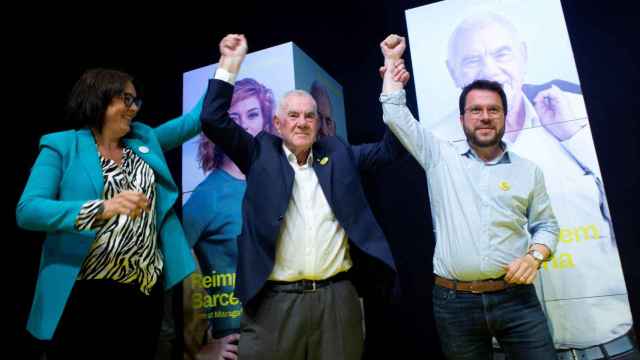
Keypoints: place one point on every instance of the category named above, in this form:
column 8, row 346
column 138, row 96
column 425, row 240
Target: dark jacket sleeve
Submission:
column 236, row 143
column 371, row 157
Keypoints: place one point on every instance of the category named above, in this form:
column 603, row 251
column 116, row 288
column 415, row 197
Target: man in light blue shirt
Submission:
column 493, row 222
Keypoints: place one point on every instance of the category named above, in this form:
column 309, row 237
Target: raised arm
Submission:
column 216, row 124
column 393, row 48
column 175, row 132
column 373, row 156
column 420, row 143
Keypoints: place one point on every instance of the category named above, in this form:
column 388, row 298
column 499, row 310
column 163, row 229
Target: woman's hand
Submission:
column 131, row 203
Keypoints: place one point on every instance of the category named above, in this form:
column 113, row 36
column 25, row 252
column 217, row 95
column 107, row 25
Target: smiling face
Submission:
column 489, row 50
column 297, row 122
column 118, row 116
column 483, row 118
column 248, row 114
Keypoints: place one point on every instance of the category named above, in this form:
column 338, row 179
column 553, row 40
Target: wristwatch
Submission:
column 536, row 255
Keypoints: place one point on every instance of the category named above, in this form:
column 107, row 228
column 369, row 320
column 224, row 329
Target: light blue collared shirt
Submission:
column 485, row 214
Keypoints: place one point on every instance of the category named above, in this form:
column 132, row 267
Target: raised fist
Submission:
column 393, row 47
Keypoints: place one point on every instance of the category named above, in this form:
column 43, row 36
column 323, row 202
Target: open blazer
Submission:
column 67, row 174
column 338, row 167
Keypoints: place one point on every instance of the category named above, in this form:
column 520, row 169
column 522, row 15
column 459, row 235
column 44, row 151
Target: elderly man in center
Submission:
column 309, row 235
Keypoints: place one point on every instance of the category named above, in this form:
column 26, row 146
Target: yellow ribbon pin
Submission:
column 504, row 186
column 324, row 161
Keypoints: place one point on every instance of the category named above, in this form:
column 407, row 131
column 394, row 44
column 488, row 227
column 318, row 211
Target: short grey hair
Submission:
column 284, row 101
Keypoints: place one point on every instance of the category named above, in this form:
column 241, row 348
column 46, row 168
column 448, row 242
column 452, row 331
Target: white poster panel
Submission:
column 525, row 46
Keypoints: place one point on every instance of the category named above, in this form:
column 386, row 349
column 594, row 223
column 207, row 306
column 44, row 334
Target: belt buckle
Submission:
column 313, row 286
column 472, row 287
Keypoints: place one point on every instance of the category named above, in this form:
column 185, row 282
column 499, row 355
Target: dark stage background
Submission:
column 47, row 53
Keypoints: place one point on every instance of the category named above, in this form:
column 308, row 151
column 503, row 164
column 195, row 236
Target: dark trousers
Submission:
column 104, row 319
column 632, row 354
column 467, row 322
column 325, row 324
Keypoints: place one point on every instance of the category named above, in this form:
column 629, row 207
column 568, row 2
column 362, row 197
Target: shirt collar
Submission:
column 465, row 150
column 292, row 158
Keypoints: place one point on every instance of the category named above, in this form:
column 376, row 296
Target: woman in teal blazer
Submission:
column 104, row 196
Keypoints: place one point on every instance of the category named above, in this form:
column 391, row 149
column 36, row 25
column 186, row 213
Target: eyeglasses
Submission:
column 477, row 111
column 129, row 100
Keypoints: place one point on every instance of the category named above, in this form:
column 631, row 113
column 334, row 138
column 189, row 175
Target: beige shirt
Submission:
column 311, row 244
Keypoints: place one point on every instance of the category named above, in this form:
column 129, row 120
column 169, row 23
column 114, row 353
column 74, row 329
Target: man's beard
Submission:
column 474, row 140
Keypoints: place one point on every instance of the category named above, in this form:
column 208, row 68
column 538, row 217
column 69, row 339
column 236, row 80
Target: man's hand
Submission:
column 130, row 203
column 233, row 49
column 393, row 47
column 396, row 76
column 556, row 114
column 522, row 270
column 399, row 72
column 220, row 349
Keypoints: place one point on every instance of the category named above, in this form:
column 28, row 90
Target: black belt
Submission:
column 304, row 285
column 617, row 346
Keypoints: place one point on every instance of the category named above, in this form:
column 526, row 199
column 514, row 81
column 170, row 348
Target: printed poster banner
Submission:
column 525, row 46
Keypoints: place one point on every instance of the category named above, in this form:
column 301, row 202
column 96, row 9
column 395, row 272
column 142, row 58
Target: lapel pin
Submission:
column 143, row 149
column 504, row 186
column 324, row 161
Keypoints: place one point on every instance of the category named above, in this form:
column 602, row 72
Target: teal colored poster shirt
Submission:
column 212, row 222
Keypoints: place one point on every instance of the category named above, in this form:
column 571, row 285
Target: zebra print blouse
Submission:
column 125, row 250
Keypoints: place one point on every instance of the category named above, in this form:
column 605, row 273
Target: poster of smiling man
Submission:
column 525, row 46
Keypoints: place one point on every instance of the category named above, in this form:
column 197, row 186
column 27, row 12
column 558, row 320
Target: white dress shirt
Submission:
column 311, row 244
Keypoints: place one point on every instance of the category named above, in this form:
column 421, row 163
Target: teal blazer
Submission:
column 67, row 174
